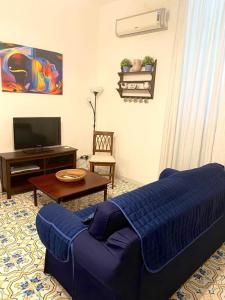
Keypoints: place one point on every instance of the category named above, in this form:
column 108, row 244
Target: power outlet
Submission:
column 84, row 157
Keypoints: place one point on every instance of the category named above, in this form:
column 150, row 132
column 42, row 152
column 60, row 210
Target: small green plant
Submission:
column 148, row 61
column 126, row 63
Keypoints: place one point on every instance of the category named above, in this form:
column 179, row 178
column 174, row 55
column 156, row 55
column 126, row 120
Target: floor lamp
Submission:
column 96, row 91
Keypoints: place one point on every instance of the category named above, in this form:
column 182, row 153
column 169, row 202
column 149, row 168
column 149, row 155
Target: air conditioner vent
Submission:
column 142, row 23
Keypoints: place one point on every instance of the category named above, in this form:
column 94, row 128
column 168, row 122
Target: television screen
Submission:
column 36, row 132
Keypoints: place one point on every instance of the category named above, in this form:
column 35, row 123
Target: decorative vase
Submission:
column 126, row 69
column 149, row 68
column 136, row 65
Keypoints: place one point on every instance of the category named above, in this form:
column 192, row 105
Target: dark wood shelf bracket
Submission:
column 140, row 90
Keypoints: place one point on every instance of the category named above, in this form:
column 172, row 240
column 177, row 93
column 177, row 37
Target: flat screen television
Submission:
column 36, row 132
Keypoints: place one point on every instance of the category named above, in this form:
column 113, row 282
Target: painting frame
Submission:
column 26, row 69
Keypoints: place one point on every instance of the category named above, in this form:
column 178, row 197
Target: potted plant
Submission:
column 125, row 65
column 148, row 63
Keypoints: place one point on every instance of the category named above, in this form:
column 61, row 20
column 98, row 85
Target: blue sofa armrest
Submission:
column 57, row 228
column 114, row 263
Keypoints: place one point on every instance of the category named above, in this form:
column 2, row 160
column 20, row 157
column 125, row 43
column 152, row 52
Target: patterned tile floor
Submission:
column 22, row 254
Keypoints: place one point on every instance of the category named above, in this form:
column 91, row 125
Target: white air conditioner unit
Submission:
column 142, row 23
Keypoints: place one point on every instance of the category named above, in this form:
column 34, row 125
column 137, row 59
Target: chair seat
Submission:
column 102, row 159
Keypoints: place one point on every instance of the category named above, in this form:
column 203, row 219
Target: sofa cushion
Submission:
column 107, row 219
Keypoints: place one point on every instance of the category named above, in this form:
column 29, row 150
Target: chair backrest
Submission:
column 103, row 141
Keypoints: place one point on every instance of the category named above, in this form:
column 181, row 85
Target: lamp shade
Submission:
column 97, row 89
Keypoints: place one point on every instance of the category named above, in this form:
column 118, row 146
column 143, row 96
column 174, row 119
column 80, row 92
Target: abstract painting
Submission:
column 30, row 70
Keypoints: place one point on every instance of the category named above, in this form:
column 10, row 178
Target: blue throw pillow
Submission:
column 107, row 219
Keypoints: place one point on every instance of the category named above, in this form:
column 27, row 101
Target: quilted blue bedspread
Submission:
column 170, row 214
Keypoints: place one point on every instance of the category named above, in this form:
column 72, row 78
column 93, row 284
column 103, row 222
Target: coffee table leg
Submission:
column 35, row 196
column 105, row 193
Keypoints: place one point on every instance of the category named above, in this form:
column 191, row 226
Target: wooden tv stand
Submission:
column 58, row 158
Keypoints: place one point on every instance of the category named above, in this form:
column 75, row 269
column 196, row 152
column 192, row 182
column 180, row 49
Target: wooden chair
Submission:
column 103, row 143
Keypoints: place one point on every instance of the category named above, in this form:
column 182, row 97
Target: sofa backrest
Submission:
column 108, row 217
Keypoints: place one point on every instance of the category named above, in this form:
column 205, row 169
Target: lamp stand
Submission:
column 94, row 108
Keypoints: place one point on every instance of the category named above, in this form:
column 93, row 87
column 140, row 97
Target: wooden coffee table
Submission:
column 64, row 191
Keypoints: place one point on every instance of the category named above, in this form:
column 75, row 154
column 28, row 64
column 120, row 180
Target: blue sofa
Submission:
column 141, row 245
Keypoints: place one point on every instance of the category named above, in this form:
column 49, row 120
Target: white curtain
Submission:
column 197, row 98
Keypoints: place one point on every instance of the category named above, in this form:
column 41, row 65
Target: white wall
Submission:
column 138, row 127
column 92, row 52
column 68, row 27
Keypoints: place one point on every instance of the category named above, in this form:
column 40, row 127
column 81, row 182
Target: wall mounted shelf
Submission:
column 132, row 85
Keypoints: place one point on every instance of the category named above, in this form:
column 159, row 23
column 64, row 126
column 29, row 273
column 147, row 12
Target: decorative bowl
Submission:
column 70, row 175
